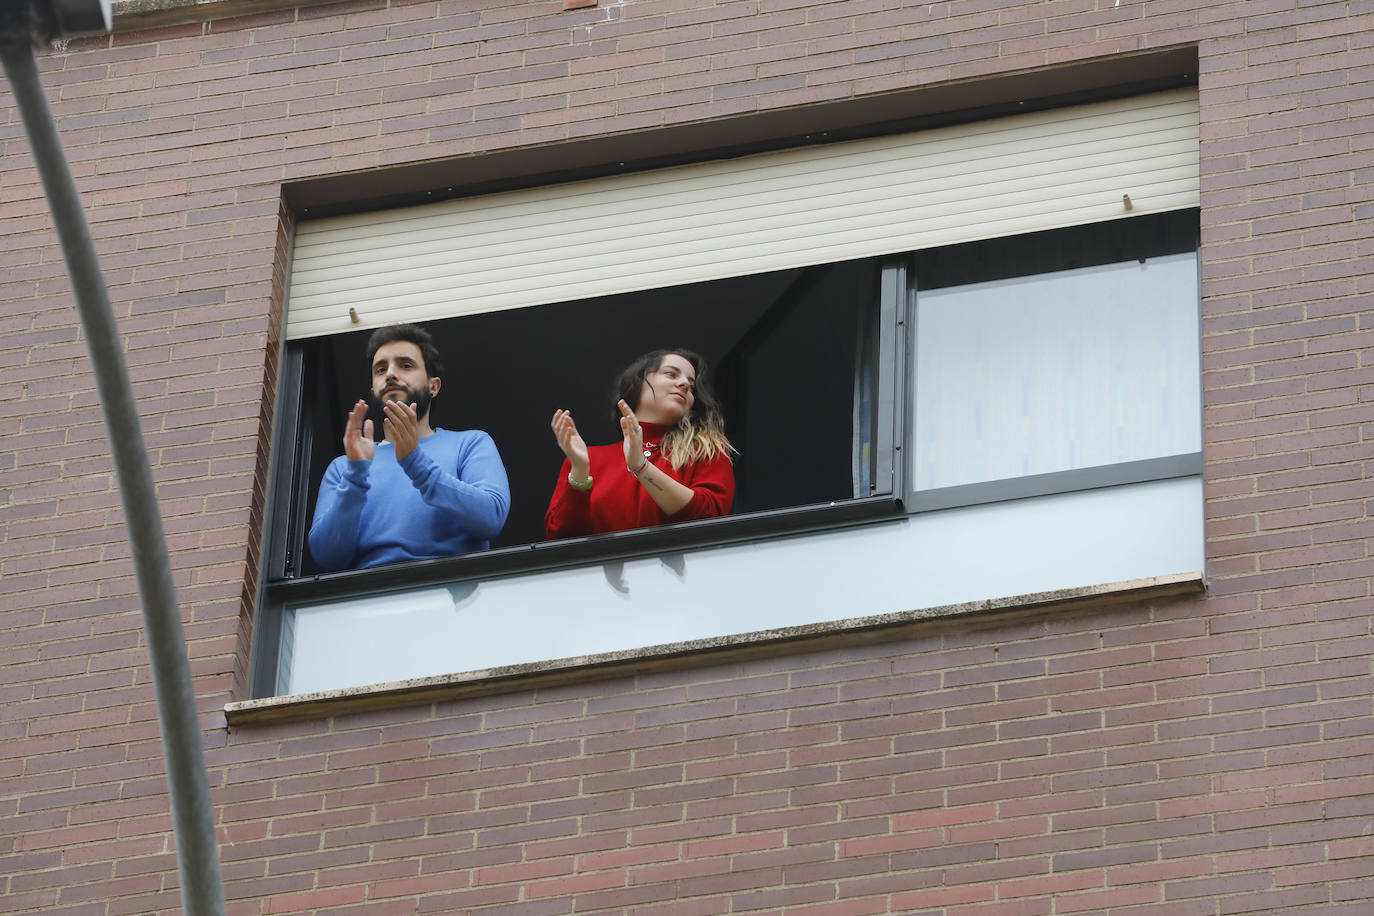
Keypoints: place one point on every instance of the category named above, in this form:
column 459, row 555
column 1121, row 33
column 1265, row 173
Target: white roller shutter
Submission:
column 732, row 217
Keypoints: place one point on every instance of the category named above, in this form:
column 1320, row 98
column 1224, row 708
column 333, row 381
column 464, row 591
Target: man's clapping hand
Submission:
column 358, row 442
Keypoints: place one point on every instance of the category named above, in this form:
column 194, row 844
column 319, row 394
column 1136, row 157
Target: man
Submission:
column 422, row 493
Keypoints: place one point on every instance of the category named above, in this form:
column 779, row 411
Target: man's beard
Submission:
column 420, row 397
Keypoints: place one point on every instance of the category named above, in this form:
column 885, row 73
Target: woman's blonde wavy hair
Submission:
column 700, row 434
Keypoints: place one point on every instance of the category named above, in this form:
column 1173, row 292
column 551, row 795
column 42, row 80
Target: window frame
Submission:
column 893, row 494
column 1189, row 464
column 287, row 493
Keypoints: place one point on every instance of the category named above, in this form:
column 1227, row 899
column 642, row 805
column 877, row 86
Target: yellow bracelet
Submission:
column 584, row 487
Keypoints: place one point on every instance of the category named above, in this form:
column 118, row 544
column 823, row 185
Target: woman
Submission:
column 673, row 464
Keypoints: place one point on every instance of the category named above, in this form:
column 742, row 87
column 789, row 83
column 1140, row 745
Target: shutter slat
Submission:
column 726, row 218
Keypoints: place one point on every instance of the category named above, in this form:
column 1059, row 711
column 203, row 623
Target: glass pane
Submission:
column 936, row 558
column 1057, row 371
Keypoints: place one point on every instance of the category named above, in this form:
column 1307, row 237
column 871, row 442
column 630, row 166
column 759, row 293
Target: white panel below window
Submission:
column 928, row 560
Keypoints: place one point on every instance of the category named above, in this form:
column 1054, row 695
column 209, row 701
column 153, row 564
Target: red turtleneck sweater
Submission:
column 619, row 502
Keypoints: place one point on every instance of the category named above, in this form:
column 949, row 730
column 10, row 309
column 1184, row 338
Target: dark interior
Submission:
column 1094, row 244
column 781, row 351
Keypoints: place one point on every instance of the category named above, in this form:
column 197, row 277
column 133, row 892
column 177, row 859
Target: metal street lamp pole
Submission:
column 202, row 889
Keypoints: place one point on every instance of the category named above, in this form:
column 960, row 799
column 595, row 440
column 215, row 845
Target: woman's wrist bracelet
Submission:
column 635, row 471
column 585, row 486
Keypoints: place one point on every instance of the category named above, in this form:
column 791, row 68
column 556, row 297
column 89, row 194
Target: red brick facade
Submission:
column 1178, row 756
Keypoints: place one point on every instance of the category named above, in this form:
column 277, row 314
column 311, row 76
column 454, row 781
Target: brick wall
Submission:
column 1202, row 756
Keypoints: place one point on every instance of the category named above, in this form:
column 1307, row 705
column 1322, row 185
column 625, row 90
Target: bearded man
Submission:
column 421, row 493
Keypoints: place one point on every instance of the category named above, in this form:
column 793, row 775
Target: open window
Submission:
column 1007, row 403
column 775, row 344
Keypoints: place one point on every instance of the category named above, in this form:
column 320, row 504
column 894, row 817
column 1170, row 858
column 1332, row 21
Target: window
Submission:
column 944, row 423
column 1039, row 358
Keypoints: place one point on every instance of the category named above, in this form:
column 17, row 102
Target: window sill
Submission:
column 739, row 647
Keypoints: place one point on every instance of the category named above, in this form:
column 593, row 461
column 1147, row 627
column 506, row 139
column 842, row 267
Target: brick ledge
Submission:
column 717, row 650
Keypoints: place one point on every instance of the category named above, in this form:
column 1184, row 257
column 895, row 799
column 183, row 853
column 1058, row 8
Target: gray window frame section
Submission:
column 1092, row 478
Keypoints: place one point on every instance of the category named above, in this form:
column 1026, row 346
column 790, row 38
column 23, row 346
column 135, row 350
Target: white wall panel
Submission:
column 1114, row 534
column 724, row 218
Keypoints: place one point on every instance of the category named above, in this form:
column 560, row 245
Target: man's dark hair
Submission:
column 411, row 333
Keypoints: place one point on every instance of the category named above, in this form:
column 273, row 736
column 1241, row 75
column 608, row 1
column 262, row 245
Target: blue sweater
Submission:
column 448, row 496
